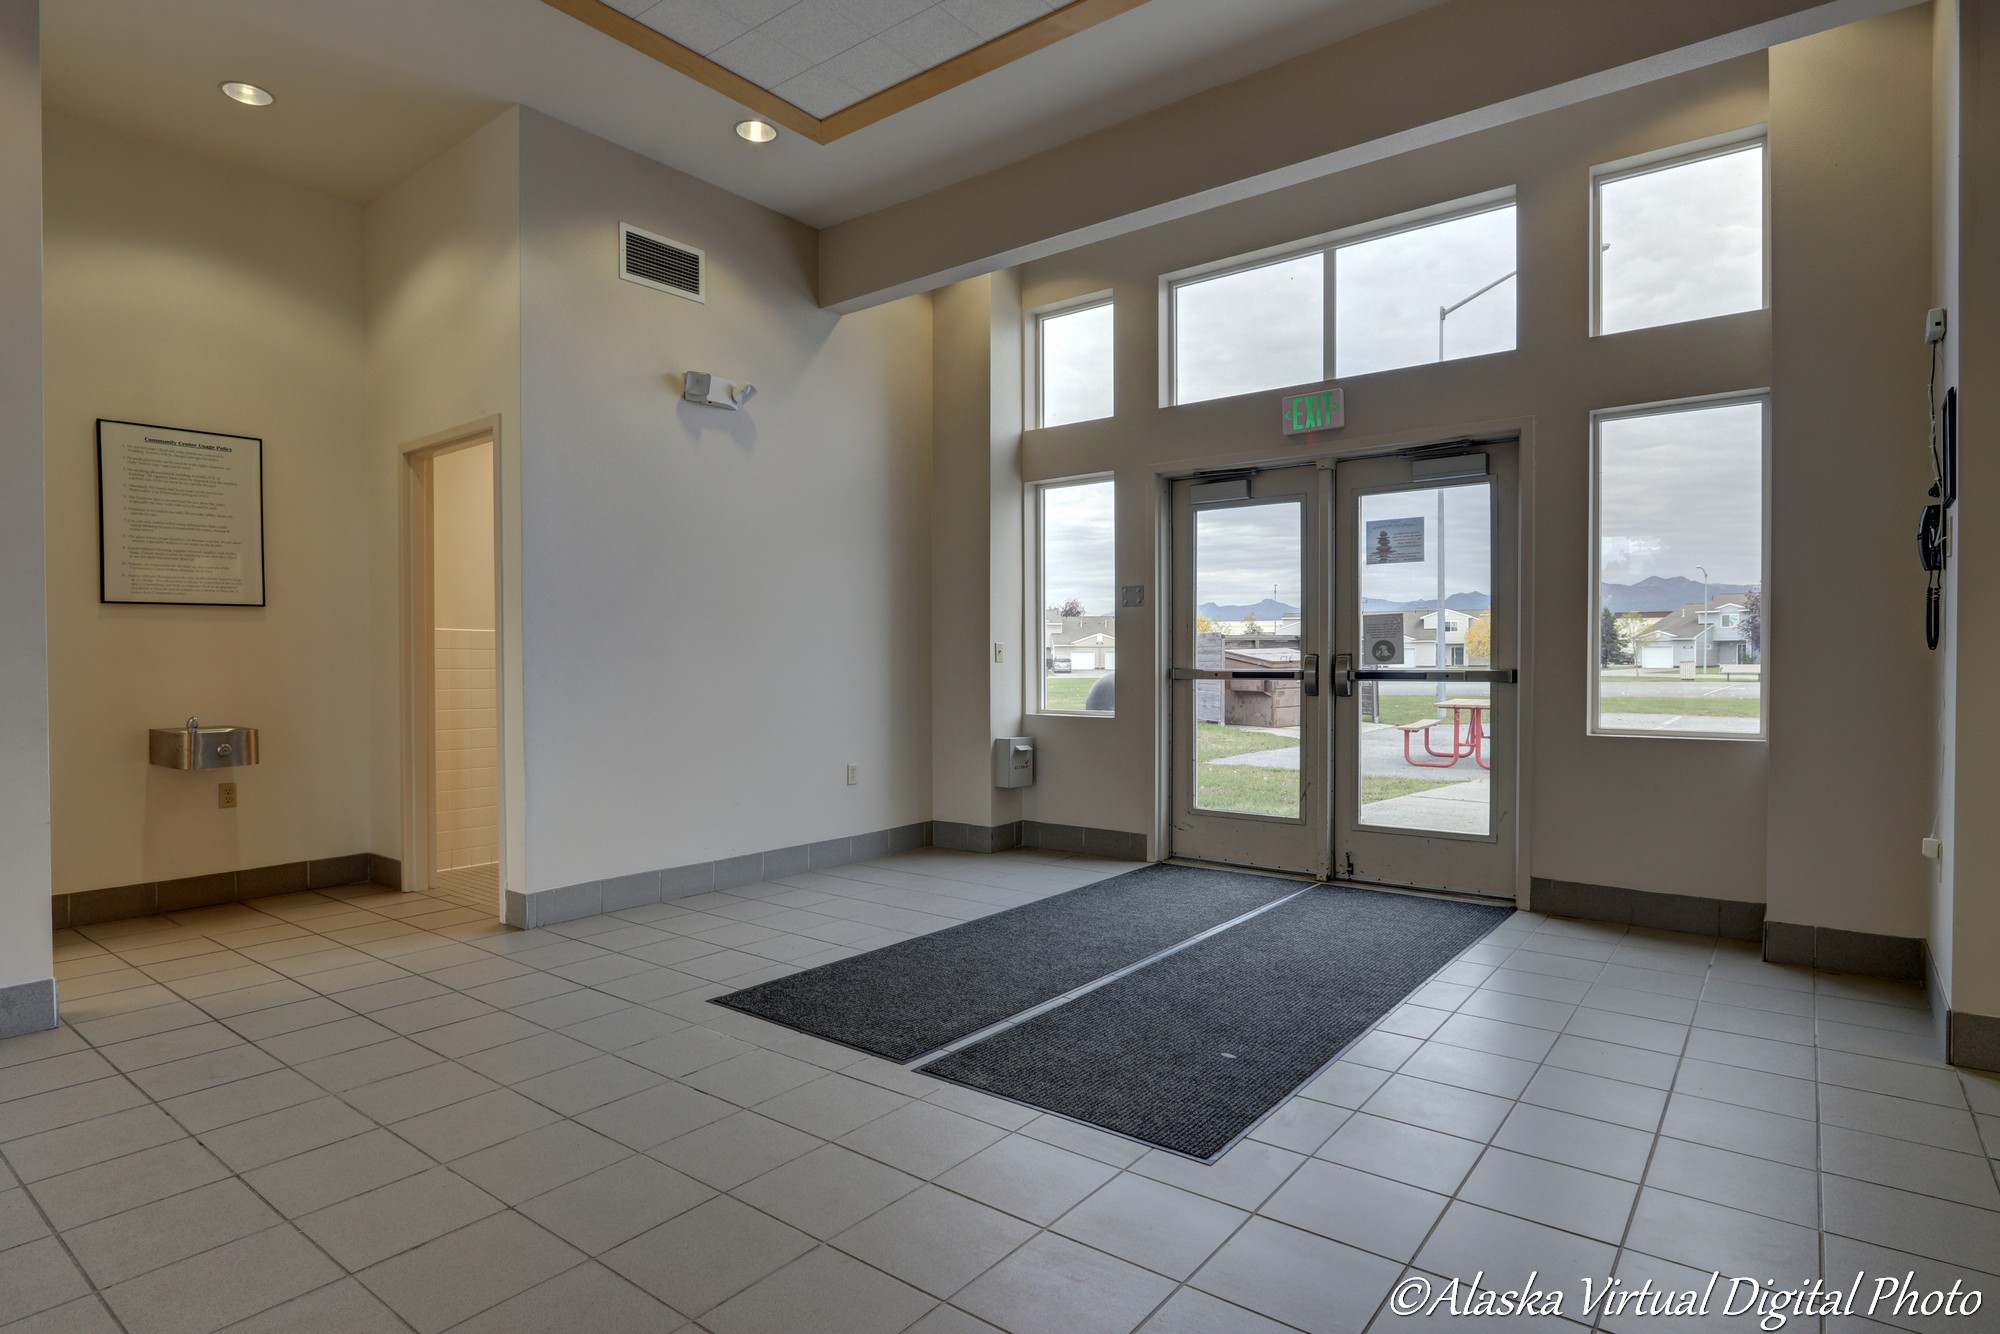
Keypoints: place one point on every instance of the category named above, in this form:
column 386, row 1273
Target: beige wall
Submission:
column 976, row 568
column 462, row 538
column 710, row 597
column 1974, row 785
column 24, row 700
column 1587, row 817
column 1399, row 86
column 1851, row 245
column 1946, row 53
column 195, row 295
column 444, row 352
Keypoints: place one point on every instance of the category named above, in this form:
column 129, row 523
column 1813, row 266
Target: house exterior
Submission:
column 1089, row 642
column 1708, row 635
column 1420, row 629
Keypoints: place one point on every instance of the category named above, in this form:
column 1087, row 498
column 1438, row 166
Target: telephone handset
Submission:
column 1930, row 538
column 1930, row 551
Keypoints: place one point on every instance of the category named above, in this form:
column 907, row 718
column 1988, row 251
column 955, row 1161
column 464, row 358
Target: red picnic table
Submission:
column 1468, row 730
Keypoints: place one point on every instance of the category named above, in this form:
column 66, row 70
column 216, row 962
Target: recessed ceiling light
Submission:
column 249, row 94
column 756, row 131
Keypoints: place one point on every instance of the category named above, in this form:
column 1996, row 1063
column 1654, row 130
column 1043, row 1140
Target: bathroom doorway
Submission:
column 453, row 808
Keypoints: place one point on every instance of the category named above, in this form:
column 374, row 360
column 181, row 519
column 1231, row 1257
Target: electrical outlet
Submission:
column 853, row 775
column 225, row 796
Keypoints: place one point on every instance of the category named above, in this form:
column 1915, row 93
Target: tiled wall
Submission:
column 468, row 772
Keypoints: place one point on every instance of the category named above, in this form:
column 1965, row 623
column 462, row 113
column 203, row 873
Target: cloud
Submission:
column 1078, row 548
column 1677, row 490
column 1683, row 243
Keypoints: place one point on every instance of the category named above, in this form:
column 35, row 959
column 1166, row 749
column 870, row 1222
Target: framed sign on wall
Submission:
column 180, row 516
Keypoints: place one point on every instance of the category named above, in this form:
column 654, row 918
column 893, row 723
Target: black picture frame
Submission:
column 104, row 555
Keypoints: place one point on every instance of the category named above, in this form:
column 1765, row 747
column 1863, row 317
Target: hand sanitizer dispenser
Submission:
column 1014, row 761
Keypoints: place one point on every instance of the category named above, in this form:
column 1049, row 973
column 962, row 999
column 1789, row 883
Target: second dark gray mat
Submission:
column 1187, row 1053
column 919, row 995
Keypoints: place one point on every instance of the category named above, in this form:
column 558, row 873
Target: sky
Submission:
column 1468, row 529
column 1678, row 490
column 1246, row 553
column 1682, row 243
column 1682, row 489
column 1077, row 557
column 1679, row 243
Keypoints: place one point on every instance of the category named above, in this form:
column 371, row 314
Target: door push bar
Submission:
column 1344, row 674
column 1306, row 674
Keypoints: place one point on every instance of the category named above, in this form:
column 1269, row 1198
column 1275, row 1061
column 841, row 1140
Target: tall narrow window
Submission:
column 1678, row 644
column 1432, row 293
column 1079, row 621
column 1681, row 240
column 1258, row 328
column 1075, row 364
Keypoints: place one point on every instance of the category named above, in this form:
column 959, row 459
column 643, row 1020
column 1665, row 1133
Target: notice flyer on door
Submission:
column 180, row 516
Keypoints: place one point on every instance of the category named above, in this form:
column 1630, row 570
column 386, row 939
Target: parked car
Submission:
column 1056, row 664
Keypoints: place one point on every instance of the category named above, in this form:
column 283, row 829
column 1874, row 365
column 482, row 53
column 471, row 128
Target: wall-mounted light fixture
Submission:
column 702, row 387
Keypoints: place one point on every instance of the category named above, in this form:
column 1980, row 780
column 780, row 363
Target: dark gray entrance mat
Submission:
column 1187, row 1053
column 918, row 995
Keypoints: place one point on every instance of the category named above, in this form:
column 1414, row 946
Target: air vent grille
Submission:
column 656, row 262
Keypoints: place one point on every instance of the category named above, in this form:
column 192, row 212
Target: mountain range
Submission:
column 1270, row 609
column 1662, row 594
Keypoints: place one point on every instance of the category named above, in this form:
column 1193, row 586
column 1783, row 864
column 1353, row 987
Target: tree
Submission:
column 1202, row 624
column 1073, row 607
column 1611, row 644
column 1753, row 622
column 1479, row 640
column 1250, row 626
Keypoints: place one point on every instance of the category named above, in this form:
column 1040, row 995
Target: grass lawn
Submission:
column 1066, row 693
column 1384, row 787
column 1692, row 708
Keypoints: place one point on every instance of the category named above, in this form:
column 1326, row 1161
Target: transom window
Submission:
column 1075, row 364
column 1681, row 239
column 1433, row 291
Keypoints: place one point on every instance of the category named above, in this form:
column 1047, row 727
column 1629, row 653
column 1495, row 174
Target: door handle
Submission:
column 1309, row 673
column 1343, row 674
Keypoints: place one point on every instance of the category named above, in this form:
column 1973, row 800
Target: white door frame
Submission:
column 418, row 659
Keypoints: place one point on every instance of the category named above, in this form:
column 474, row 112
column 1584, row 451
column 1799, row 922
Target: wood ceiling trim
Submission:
column 1025, row 40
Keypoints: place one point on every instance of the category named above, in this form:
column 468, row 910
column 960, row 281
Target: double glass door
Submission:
column 1343, row 669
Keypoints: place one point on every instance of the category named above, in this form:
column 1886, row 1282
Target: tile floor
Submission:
column 358, row 1110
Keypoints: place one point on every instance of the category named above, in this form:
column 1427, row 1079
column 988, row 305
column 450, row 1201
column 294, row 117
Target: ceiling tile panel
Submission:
column 995, row 18
column 817, row 93
column 870, row 67
column 931, row 38
column 695, row 24
column 765, row 61
column 878, row 16
column 753, row 12
column 814, row 30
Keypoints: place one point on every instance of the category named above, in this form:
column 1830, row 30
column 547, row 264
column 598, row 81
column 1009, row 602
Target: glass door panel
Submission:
column 1424, row 674
column 1249, row 754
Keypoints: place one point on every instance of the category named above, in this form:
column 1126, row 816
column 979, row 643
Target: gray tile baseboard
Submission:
column 1836, row 951
column 1731, row 918
column 975, row 837
column 1080, row 838
column 549, row 906
column 1973, row 1040
column 27, row 1007
column 88, row 907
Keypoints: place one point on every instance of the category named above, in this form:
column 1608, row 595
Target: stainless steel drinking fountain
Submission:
column 198, row 747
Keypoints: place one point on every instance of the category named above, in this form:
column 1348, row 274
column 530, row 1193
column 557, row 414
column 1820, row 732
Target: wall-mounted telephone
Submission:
column 1930, row 551
column 1930, row 538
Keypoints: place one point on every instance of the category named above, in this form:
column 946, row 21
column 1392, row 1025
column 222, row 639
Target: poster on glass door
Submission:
column 1395, row 541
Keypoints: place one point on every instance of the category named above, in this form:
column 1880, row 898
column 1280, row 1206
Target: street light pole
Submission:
column 1701, row 636
column 1444, row 311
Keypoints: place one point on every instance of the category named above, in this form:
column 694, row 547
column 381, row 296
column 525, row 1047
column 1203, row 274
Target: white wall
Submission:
column 710, row 598
column 190, row 294
column 462, row 538
column 444, row 352
column 24, row 701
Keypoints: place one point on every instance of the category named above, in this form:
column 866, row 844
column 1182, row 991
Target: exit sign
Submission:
column 1320, row 410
